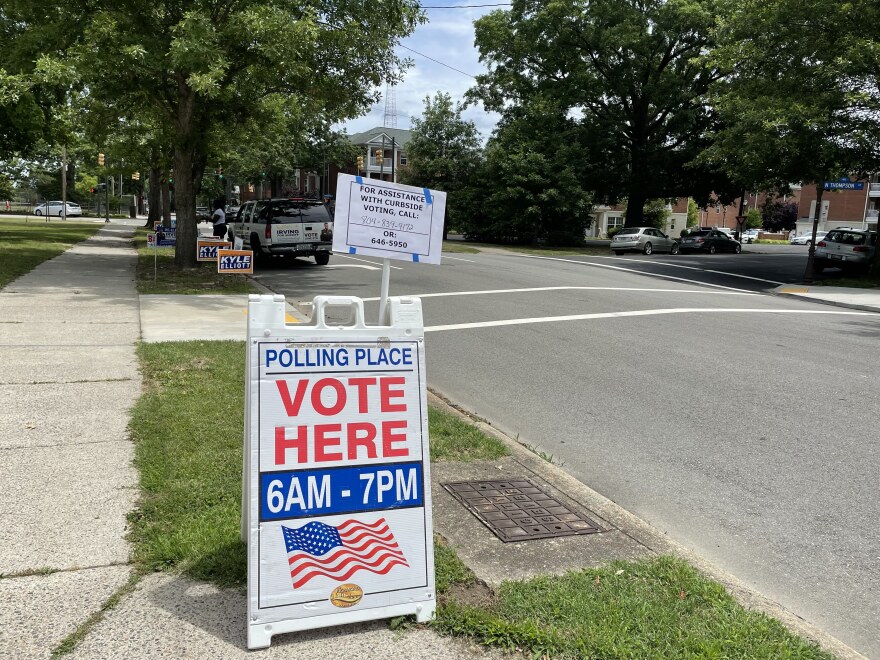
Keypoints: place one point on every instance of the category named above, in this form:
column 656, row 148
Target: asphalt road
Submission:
column 742, row 424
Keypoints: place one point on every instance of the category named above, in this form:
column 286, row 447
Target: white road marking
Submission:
column 372, row 263
column 334, row 266
column 639, row 272
column 470, row 261
column 702, row 270
column 645, row 312
column 571, row 288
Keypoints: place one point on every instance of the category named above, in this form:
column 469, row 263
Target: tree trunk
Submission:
column 154, row 195
column 185, row 205
column 635, row 209
column 166, row 202
column 189, row 164
column 810, row 273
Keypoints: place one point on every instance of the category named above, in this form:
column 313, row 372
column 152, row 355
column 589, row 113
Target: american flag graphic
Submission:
column 317, row 549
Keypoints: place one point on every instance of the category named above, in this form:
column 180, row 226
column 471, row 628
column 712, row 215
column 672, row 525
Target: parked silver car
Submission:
column 643, row 239
column 847, row 249
column 807, row 238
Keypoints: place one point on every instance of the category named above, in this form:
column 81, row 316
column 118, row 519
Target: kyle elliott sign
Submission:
column 206, row 248
column 384, row 219
column 235, row 261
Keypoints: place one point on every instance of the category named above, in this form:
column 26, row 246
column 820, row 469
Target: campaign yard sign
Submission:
column 384, row 219
column 163, row 237
column 338, row 488
column 235, row 261
column 206, row 248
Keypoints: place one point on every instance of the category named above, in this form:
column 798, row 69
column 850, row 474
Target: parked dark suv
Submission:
column 285, row 227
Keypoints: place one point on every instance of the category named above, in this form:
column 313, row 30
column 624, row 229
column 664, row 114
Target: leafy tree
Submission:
column 203, row 67
column 693, row 217
column 530, row 189
column 627, row 72
column 443, row 153
column 753, row 219
column 656, row 213
column 6, row 189
column 796, row 109
column 778, row 215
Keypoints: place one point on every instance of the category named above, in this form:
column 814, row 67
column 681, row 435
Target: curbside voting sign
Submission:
column 338, row 515
column 384, row 219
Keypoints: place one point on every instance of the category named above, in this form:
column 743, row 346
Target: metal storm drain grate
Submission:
column 518, row 510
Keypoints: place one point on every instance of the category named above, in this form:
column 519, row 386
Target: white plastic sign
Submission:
column 383, row 219
column 338, row 520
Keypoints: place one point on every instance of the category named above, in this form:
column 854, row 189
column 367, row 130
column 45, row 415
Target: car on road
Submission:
column 57, row 208
column 750, row 235
column 203, row 214
column 643, row 239
column 807, row 238
column 291, row 227
column 847, row 249
column 709, row 240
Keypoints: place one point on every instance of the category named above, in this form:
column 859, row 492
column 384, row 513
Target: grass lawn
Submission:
column 865, row 282
column 188, row 453
column 169, row 278
column 459, row 246
column 25, row 245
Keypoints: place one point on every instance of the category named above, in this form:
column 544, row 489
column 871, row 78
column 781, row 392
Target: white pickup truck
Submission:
column 284, row 227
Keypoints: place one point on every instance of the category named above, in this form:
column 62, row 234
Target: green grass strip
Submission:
column 24, row 245
column 188, row 428
column 654, row 608
column 158, row 274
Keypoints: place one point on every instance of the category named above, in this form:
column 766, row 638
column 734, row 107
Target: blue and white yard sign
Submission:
column 384, row 219
column 338, row 520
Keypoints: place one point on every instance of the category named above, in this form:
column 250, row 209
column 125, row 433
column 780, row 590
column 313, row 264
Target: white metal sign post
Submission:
column 338, row 501
column 389, row 220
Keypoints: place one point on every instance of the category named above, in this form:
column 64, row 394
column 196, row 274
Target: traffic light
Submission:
column 360, row 162
column 101, row 160
column 380, row 157
column 220, row 173
column 135, row 176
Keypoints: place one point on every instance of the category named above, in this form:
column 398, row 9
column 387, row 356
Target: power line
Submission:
column 499, row 4
column 437, row 61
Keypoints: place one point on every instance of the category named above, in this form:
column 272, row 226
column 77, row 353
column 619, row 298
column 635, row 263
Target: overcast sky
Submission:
column 448, row 37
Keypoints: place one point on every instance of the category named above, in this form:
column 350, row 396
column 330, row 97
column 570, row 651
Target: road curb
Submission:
column 647, row 535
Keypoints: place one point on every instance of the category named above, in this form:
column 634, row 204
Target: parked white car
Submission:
column 807, row 239
column 750, row 235
column 57, row 208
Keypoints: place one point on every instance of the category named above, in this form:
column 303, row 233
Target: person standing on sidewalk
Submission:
column 219, row 219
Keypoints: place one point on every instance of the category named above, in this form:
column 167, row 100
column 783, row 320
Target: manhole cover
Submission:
column 518, row 510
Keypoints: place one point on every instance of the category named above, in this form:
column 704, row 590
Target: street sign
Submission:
column 337, row 499
column 384, row 219
column 235, row 261
column 206, row 248
column 843, row 183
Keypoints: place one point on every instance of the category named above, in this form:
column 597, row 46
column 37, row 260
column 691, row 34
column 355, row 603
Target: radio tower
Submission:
column 390, row 106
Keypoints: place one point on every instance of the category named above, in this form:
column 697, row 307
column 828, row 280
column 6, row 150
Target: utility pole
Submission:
column 63, row 182
column 393, row 159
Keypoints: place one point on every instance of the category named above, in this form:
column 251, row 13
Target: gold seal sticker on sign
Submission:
column 346, row 595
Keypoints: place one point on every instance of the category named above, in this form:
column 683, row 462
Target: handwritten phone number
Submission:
column 384, row 242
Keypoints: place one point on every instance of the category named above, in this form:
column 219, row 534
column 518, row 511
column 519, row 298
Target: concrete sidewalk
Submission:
column 68, row 377
column 864, row 299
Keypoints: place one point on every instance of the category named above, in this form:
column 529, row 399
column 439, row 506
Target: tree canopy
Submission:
column 627, row 73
